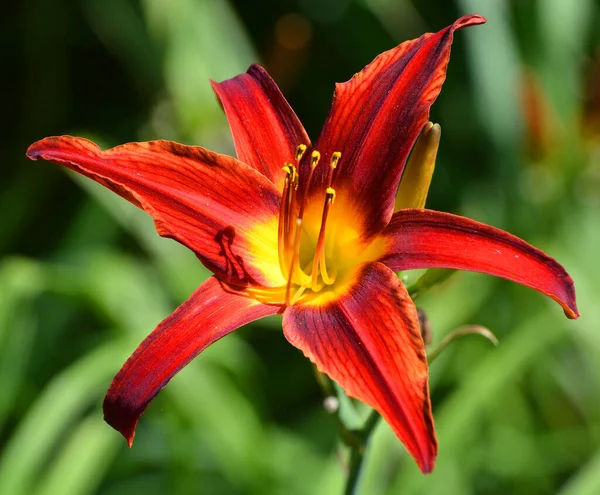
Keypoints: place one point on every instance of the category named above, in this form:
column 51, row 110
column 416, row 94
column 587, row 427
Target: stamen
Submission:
column 269, row 295
column 300, row 152
column 297, row 295
column 335, row 158
column 295, row 254
column 324, row 274
column 290, row 229
column 291, row 199
column 283, row 220
column 293, row 189
column 319, row 258
column 314, row 161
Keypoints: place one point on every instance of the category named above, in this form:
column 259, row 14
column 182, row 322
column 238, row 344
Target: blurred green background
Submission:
column 84, row 277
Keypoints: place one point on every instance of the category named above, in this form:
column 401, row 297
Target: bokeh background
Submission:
column 84, row 277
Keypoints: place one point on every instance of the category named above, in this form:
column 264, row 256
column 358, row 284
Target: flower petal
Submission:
column 432, row 239
column 212, row 312
column 265, row 129
column 369, row 342
column 377, row 115
column 211, row 203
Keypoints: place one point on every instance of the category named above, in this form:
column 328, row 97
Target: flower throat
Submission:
column 302, row 273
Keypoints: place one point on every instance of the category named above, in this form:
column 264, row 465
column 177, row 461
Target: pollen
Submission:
column 300, row 150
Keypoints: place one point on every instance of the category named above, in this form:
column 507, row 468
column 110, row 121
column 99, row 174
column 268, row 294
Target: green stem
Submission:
column 461, row 332
column 357, row 455
column 355, row 468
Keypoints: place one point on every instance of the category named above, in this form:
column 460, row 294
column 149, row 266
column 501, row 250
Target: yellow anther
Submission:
column 330, row 194
column 335, row 158
column 314, row 158
column 300, row 152
column 292, row 174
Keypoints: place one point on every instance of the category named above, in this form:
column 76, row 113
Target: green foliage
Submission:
column 84, row 277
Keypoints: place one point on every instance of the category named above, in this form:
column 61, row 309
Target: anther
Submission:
column 335, row 158
column 314, row 159
column 292, row 173
column 330, row 192
column 300, row 152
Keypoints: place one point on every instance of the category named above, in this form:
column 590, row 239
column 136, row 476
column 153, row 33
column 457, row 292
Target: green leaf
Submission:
column 53, row 415
column 83, row 460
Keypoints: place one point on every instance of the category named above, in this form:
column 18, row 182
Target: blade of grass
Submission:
column 51, row 416
column 21, row 281
column 83, row 460
column 457, row 416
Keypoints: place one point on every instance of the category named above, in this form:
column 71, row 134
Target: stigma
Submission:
column 302, row 256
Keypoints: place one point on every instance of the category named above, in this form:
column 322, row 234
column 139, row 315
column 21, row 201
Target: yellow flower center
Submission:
column 319, row 239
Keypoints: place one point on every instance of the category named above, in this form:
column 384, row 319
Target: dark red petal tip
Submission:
column 117, row 415
column 33, row 152
column 469, row 20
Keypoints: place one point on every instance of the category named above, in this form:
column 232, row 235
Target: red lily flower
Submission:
column 318, row 242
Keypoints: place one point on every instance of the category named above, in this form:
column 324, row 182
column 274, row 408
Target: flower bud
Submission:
column 418, row 172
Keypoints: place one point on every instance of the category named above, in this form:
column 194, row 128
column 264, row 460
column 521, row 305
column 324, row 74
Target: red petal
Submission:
column 431, row 239
column 210, row 313
column 377, row 115
column 265, row 129
column 211, row 203
column 369, row 342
